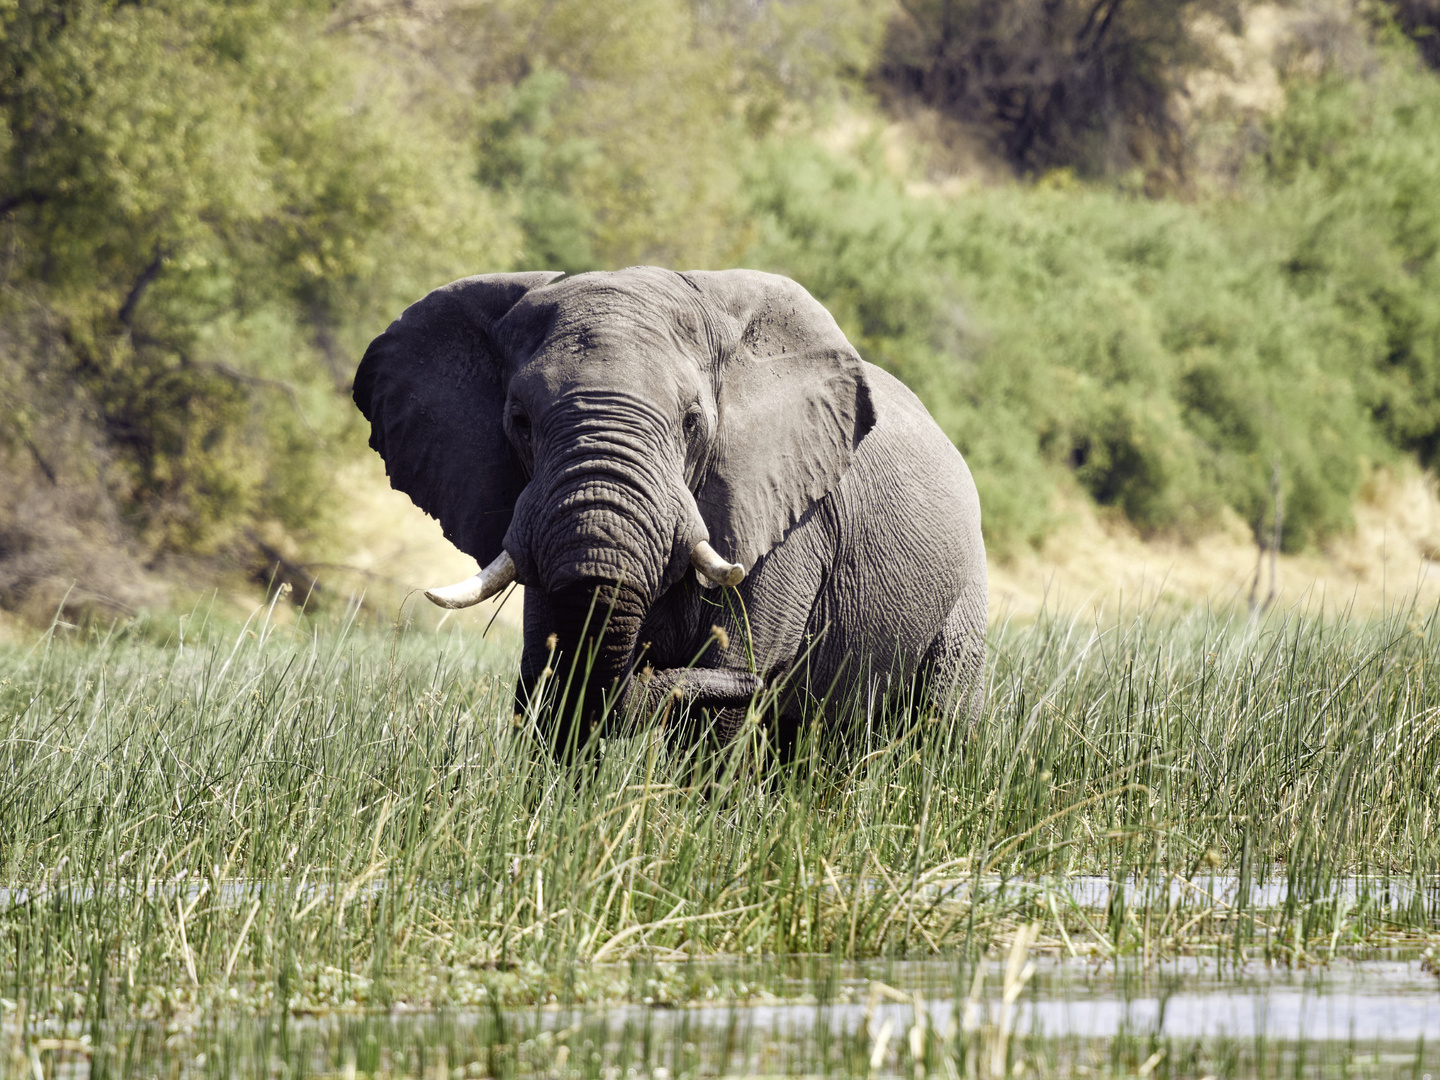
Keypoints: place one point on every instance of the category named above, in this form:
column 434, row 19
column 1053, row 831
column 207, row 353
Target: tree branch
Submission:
column 40, row 461
column 1086, row 51
column 244, row 378
column 148, row 275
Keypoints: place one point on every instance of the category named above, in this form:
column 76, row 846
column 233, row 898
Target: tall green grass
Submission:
column 813, row 1039
column 328, row 815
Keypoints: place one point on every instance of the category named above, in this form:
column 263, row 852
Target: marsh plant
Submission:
column 289, row 819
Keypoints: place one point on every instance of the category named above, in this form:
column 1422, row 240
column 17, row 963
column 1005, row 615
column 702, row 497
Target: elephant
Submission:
column 597, row 437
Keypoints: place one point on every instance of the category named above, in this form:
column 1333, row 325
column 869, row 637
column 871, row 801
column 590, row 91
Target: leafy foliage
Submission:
column 1420, row 19
column 602, row 132
column 1354, row 167
column 615, row 132
column 197, row 211
column 1167, row 356
column 209, row 208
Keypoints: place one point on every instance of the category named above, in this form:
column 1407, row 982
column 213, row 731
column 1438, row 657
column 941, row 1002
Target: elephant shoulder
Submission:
column 901, row 419
column 908, row 475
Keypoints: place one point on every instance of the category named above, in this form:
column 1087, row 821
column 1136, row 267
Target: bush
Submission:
column 1350, row 179
column 1420, row 19
column 604, row 132
column 1150, row 352
column 200, row 203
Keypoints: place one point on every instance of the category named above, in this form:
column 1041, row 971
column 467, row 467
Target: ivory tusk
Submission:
column 482, row 586
column 712, row 568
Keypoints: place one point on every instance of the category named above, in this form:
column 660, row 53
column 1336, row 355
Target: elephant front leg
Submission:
column 678, row 698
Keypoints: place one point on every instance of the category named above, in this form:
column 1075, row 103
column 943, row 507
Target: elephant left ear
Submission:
column 431, row 386
column 793, row 406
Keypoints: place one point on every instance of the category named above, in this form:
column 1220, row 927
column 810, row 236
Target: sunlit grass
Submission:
column 331, row 816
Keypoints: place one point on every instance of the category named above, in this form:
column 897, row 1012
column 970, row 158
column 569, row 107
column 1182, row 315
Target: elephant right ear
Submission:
column 794, row 403
column 431, row 387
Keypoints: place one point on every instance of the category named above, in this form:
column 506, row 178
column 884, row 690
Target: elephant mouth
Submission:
column 710, row 568
column 597, row 625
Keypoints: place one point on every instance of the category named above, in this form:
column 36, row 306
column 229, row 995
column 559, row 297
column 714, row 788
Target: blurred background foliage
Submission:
column 1018, row 206
column 1081, row 84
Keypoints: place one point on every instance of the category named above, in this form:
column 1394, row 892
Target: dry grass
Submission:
column 385, row 546
column 1099, row 563
column 1095, row 563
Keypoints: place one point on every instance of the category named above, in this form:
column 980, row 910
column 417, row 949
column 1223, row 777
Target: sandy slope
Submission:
column 1098, row 563
column 1095, row 563
column 387, row 548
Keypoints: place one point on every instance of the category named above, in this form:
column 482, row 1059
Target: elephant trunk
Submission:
column 603, row 528
column 597, row 625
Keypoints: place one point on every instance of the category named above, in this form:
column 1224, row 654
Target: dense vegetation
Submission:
column 1083, row 84
column 208, row 209
column 1168, row 355
column 311, row 818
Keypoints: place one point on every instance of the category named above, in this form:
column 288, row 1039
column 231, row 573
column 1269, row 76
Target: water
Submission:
column 1387, row 1000
column 1378, row 1016
column 1375, row 1015
column 1087, row 891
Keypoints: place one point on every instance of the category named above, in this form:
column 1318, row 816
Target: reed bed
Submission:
column 329, row 817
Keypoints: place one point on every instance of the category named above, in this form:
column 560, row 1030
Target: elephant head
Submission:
column 608, row 431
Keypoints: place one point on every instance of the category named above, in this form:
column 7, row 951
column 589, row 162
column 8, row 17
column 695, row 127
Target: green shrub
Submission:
column 1351, row 176
column 204, row 207
column 1147, row 350
column 209, row 209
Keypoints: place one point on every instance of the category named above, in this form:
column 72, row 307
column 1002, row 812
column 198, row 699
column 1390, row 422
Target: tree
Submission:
column 1087, row 84
column 1420, row 19
column 195, row 199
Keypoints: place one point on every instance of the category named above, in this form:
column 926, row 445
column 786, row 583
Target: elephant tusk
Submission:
column 712, row 568
column 482, row 586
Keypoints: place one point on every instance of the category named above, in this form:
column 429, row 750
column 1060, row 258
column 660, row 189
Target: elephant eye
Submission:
column 692, row 422
column 521, row 423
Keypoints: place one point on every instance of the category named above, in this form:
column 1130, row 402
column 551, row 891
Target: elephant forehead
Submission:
column 615, row 314
column 617, row 336
column 644, row 367
column 644, row 355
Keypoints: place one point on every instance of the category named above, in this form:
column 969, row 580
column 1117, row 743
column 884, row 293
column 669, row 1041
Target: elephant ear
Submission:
column 793, row 406
column 431, row 387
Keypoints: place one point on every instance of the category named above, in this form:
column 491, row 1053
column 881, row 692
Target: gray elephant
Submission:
column 600, row 436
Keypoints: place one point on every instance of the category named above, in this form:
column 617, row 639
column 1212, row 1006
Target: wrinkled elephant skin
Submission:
column 595, row 429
